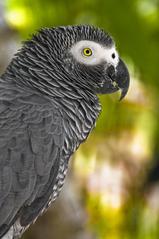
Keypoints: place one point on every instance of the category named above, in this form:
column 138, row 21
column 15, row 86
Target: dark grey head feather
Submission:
column 44, row 61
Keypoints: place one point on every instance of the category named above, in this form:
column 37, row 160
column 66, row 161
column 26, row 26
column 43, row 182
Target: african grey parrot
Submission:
column 48, row 106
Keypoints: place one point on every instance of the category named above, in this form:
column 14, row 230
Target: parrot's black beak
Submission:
column 116, row 79
column 122, row 78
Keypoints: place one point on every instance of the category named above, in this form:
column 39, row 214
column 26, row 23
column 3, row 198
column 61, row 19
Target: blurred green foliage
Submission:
column 127, row 133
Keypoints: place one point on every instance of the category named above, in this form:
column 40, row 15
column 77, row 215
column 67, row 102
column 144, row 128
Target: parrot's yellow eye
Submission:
column 87, row 52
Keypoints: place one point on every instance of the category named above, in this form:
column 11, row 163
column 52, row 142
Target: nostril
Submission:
column 113, row 55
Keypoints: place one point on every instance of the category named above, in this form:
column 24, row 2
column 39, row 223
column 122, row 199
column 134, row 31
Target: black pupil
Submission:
column 113, row 55
column 87, row 51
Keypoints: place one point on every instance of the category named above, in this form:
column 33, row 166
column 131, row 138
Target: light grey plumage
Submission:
column 48, row 106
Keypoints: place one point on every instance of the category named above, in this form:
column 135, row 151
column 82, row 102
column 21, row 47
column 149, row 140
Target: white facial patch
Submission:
column 99, row 53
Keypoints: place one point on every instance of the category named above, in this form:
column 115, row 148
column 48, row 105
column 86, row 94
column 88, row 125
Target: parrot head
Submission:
column 92, row 57
column 77, row 58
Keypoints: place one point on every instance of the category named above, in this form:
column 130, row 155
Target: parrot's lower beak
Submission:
column 117, row 79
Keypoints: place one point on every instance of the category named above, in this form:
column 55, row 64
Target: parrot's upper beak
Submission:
column 117, row 79
column 122, row 78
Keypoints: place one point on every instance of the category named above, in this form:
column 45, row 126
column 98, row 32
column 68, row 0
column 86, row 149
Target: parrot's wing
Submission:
column 31, row 141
